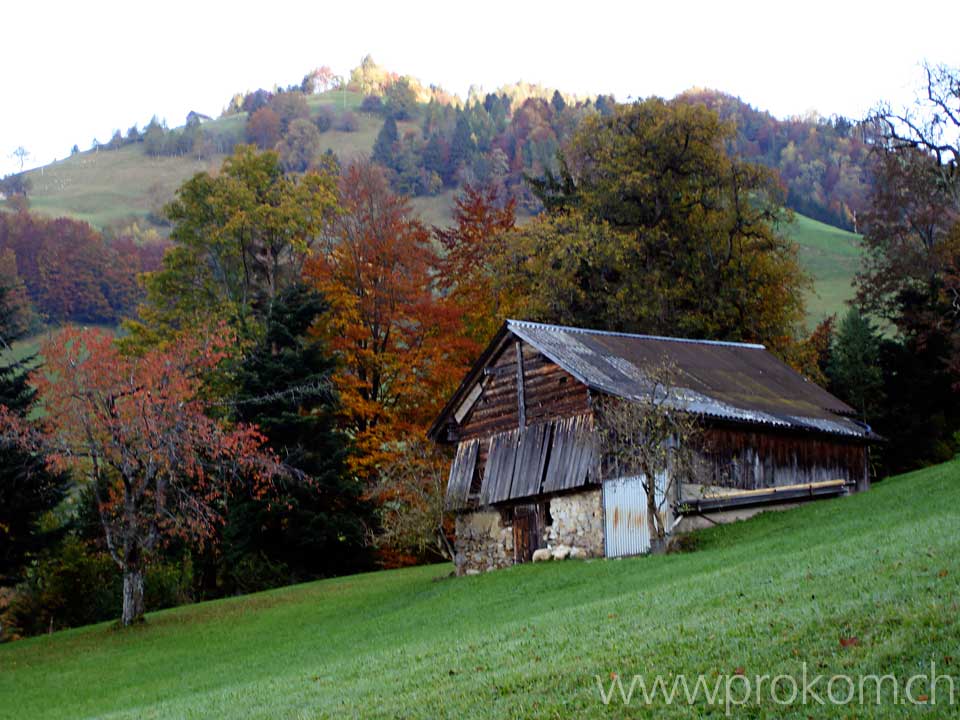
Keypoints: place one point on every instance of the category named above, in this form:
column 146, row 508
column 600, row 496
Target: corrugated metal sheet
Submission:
column 461, row 473
column 626, row 530
column 732, row 381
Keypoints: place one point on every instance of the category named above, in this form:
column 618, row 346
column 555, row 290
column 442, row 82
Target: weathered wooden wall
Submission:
column 548, row 392
column 751, row 460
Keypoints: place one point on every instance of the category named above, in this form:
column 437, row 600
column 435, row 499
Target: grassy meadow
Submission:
column 832, row 257
column 858, row 585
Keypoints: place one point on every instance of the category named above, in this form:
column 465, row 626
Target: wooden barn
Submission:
column 527, row 473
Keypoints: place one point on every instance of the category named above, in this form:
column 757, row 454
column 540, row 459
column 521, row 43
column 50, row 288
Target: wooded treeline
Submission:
column 261, row 419
column 431, row 141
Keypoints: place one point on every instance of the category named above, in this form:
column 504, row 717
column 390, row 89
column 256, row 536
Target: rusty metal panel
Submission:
column 461, row 473
column 626, row 530
column 625, row 518
column 573, row 454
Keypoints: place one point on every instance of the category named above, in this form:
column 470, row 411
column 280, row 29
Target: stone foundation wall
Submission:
column 484, row 539
column 577, row 523
column 483, row 542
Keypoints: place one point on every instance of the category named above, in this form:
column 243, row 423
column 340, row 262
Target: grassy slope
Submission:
column 765, row 595
column 109, row 186
column 832, row 257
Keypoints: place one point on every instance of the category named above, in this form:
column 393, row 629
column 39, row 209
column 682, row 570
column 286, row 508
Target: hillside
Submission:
column 110, row 186
column 832, row 257
column 864, row 584
column 115, row 186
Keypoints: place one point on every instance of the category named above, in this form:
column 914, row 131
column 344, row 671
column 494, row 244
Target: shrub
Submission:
column 74, row 586
column 348, row 122
column 78, row 585
column 372, row 104
column 324, row 119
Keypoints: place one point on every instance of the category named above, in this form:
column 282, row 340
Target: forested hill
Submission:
column 432, row 144
column 431, row 141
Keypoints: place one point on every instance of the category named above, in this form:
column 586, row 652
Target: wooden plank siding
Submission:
column 549, row 392
column 753, row 460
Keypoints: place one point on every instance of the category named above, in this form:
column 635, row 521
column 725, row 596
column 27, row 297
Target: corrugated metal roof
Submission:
column 739, row 382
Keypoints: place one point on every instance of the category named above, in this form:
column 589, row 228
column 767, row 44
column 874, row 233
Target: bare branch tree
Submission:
column 653, row 437
column 931, row 126
column 21, row 154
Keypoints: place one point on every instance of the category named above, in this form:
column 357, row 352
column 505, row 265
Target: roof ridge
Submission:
column 567, row 328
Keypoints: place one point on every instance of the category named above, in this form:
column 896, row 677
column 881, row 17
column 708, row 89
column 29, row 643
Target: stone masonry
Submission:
column 578, row 522
column 484, row 540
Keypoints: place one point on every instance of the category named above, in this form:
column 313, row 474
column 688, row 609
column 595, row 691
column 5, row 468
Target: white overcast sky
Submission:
column 73, row 70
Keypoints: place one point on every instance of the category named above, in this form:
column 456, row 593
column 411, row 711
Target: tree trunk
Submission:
column 133, row 606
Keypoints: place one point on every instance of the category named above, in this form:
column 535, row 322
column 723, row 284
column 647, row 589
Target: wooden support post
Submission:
column 521, row 407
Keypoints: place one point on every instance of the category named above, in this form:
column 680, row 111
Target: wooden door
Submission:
column 527, row 532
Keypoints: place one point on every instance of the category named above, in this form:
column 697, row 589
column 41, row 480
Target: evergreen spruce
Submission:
column 314, row 526
column 27, row 489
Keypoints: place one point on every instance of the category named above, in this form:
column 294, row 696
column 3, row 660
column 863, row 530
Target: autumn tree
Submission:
column 412, row 523
column 400, row 100
column 319, row 80
column 912, row 227
column 652, row 227
column 910, row 276
column 290, row 107
column 69, row 271
column 263, row 128
column 472, row 248
column 299, row 146
column 136, row 431
column 239, row 238
column 386, row 325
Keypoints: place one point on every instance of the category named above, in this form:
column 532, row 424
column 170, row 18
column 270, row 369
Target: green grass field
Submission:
column 832, row 257
column 764, row 596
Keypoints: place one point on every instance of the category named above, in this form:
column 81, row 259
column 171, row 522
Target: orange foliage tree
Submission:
column 468, row 268
column 136, row 430
column 398, row 343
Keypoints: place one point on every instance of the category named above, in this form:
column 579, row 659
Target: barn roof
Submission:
column 736, row 382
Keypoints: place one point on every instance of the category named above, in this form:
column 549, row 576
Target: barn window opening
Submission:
column 547, row 517
column 476, row 482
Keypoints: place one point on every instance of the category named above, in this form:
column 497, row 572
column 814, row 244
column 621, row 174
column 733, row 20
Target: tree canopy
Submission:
column 652, row 227
column 239, row 238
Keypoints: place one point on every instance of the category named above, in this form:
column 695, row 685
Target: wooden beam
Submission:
column 521, row 407
column 776, row 489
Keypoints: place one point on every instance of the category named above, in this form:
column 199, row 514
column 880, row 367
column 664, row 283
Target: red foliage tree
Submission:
column 136, row 430
column 70, row 272
column 468, row 267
